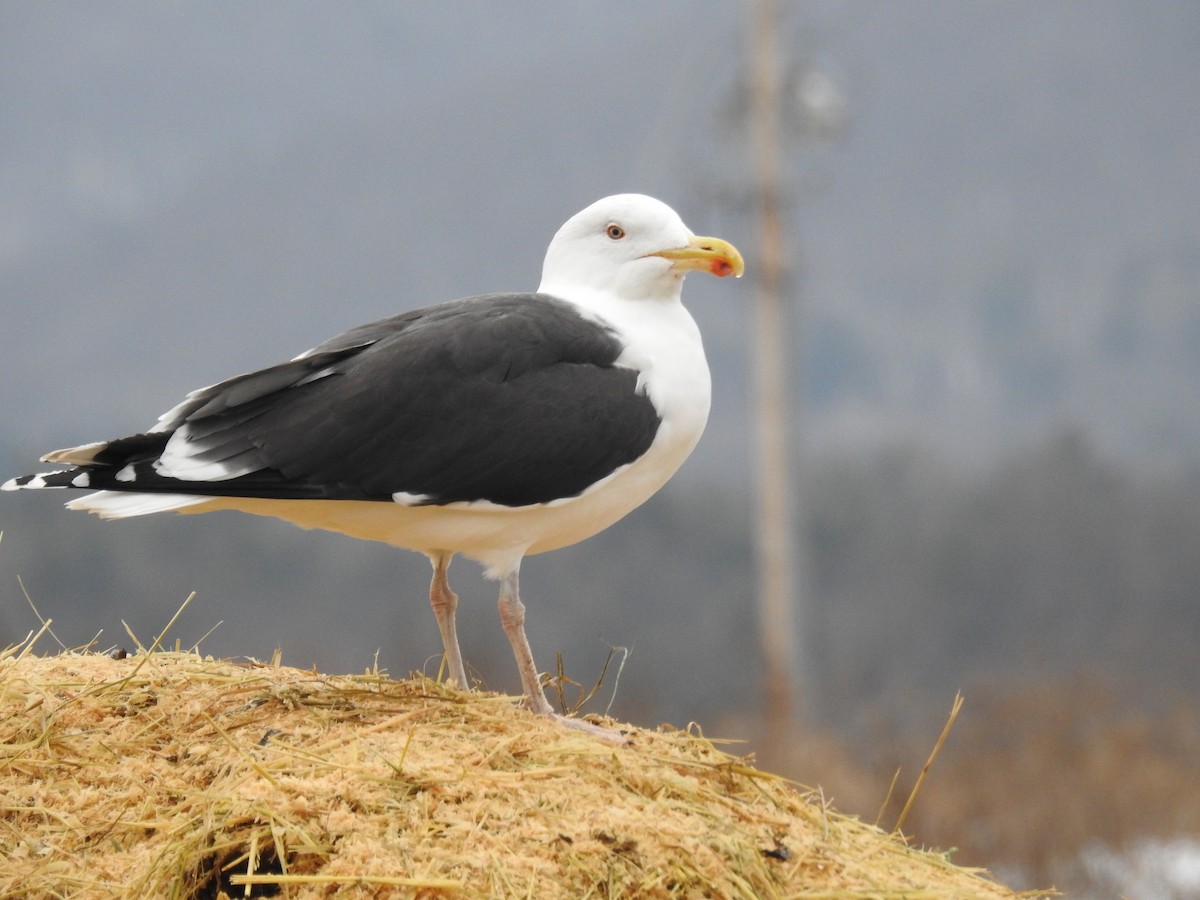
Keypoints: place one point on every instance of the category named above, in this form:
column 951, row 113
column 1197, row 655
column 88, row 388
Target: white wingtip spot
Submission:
column 34, row 483
column 126, row 474
column 82, row 480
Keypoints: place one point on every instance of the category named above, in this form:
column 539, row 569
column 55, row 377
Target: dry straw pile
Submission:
column 173, row 775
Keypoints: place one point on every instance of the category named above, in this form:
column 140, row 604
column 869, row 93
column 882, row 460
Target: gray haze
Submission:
column 1003, row 248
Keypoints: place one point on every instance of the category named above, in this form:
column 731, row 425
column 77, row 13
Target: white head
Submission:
column 632, row 246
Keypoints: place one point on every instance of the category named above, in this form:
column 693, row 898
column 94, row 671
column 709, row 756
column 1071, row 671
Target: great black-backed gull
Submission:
column 495, row 426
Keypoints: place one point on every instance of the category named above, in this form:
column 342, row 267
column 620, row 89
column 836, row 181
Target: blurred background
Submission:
column 989, row 222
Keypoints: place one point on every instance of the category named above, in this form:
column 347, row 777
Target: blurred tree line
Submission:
column 1050, row 562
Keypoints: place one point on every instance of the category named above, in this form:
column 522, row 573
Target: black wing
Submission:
column 510, row 398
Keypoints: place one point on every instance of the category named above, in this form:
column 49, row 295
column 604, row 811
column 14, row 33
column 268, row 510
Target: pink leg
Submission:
column 444, row 602
column 512, row 618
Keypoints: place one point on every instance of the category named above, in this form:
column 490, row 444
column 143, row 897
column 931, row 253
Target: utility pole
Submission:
column 776, row 540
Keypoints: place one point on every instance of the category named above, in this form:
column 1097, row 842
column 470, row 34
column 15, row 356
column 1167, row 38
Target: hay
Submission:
column 173, row 775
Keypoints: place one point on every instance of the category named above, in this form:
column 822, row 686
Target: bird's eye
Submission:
column 615, row 231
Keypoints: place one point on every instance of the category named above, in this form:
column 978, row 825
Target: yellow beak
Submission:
column 706, row 254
